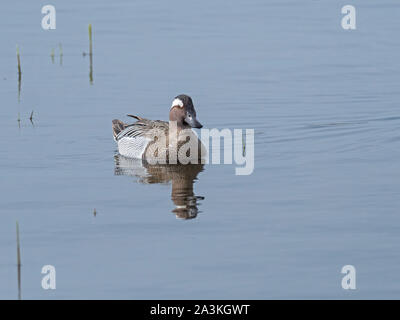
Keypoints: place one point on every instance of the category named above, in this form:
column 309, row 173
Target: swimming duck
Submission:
column 157, row 140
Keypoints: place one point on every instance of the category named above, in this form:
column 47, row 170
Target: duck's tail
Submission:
column 117, row 127
column 136, row 117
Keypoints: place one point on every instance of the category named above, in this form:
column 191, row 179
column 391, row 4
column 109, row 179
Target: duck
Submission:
column 161, row 142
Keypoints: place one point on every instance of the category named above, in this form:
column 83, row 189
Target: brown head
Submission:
column 182, row 111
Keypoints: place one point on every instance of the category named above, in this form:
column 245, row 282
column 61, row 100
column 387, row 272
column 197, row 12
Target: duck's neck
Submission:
column 177, row 115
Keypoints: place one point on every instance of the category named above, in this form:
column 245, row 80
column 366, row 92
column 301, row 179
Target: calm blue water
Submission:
column 324, row 103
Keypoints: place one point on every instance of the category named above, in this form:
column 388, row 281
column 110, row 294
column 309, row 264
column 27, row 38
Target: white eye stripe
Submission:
column 177, row 102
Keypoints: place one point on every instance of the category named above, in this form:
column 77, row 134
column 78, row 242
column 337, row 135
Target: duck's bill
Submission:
column 193, row 122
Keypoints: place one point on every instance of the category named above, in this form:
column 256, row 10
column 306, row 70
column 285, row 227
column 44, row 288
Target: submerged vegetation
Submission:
column 52, row 56
column 61, row 54
column 19, row 73
column 18, row 262
column 90, row 54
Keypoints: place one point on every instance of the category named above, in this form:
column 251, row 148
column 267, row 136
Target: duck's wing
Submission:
column 142, row 128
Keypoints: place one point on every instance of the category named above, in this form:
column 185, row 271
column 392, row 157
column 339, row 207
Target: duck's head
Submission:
column 182, row 111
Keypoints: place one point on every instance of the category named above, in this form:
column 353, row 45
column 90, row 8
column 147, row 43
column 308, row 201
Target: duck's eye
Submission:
column 189, row 116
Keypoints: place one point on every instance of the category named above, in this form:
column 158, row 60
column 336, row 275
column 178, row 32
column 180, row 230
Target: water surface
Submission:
column 324, row 103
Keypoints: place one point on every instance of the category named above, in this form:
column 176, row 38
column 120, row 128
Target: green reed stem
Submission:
column 19, row 63
column 18, row 263
column 52, row 55
column 90, row 54
column 19, row 74
column 18, row 247
column 90, row 40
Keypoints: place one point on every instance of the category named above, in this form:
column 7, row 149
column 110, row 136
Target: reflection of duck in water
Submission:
column 181, row 176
